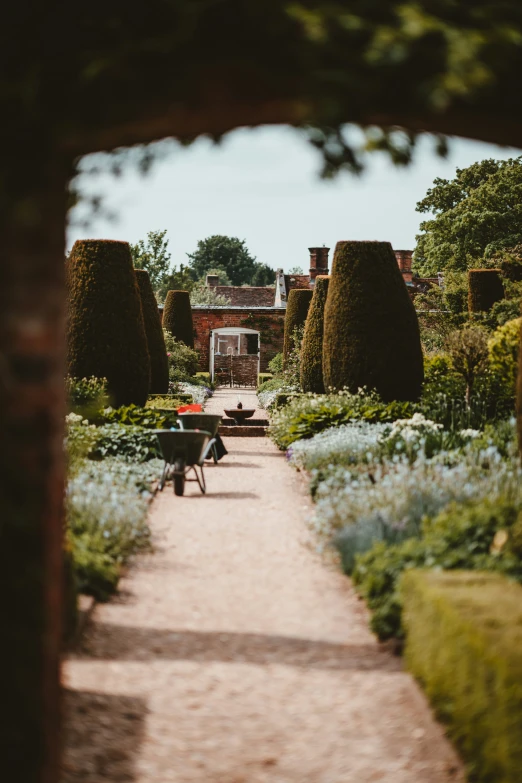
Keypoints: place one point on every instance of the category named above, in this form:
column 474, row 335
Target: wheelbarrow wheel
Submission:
column 179, row 477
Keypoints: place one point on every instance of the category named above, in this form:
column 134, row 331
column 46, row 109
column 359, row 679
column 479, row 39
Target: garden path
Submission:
column 235, row 654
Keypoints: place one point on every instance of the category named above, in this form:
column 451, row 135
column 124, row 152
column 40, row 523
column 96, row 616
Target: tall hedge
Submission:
column 299, row 300
column 484, row 289
column 159, row 367
column 371, row 333
column 312, row 348
column 177, row 317
column 105, row 330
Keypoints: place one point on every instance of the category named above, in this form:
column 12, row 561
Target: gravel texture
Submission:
column 235, row 654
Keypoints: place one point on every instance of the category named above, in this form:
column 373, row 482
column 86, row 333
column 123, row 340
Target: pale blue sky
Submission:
column 263, row 186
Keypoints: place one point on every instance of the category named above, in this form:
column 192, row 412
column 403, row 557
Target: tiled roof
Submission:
column 248, row 296
column 296, row 281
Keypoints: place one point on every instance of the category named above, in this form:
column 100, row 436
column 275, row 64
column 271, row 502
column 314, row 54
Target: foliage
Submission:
column 263, row 275
column 299, row 300
column 146, row 417
column 153, row 256
column 200, row 294
column 312, row 347
column 106, row 506
column 105, row 330
column 177, row 317
column 178, row 280
column 223, row 278
column 275, row 365
column 159, row 368
column 164, row 403
column 463, row 644
column 468, row 349
column 371, row 333
column 227, row 253
column 307, row 414
column 129, row 443
column 461, row 536
column 183, row 361
column 475, row 214
column 503, row 347
column 296, row 270
column 485, row 289
column 86, row 395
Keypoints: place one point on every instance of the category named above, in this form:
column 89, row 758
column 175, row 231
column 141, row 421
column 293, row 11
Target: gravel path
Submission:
column 235, row 655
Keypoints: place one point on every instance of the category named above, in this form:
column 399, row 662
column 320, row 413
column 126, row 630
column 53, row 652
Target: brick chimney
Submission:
column 404, row 260
column 211, row 281
column 318, row 261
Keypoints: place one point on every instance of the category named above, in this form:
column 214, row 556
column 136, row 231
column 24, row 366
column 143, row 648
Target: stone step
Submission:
column 245, row 431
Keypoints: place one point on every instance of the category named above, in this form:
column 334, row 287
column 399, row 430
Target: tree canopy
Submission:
column 231, row 255
column 475, row 215
column 153, row 256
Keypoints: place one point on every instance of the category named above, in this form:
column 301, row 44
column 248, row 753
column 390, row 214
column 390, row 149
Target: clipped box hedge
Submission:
column 264, row 376
column 464, row 643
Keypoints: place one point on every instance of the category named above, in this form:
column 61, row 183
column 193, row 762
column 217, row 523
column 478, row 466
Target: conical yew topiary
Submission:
column 296, row 311
column 177, row 317
column 371, row 333
column 159, row 366
column 105, row 329
column 484, row 289
column 312, row 348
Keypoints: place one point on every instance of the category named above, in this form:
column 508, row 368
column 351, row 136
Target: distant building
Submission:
column 236, row 341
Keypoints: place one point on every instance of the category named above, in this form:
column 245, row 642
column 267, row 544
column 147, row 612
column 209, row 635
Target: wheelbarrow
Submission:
column 207, row 422
column 184, row 451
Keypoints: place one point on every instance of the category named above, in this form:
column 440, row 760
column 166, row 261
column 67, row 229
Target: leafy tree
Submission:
column 153, row 256
column 296, row 270
column 476, row 214
column 263, row 275
column 468, row 349
column 179, row 280
column 227, row 253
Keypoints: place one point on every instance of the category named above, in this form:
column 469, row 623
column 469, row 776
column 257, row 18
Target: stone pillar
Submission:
column 318, row 261
column 404, row 260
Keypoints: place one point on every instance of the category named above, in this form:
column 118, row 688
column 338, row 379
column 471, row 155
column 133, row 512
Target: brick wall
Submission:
column 266, row 320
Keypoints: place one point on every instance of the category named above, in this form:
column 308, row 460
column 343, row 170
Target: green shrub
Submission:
column 162, row 403
column 159, row 368
column 134, row 444
column 183, row 361
column 461, row 536
column 105, row 329
column 312, row 347
column 263, row 377
column 484, row 289
column 147, row 417
column 371, row 333
column 87, row 396
column 204, row 377
column 177, row 317
column 503, row 354
column 306, row 415
column 299, row 300
column 464, row 637
column 97, row 573
column 275, row 365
